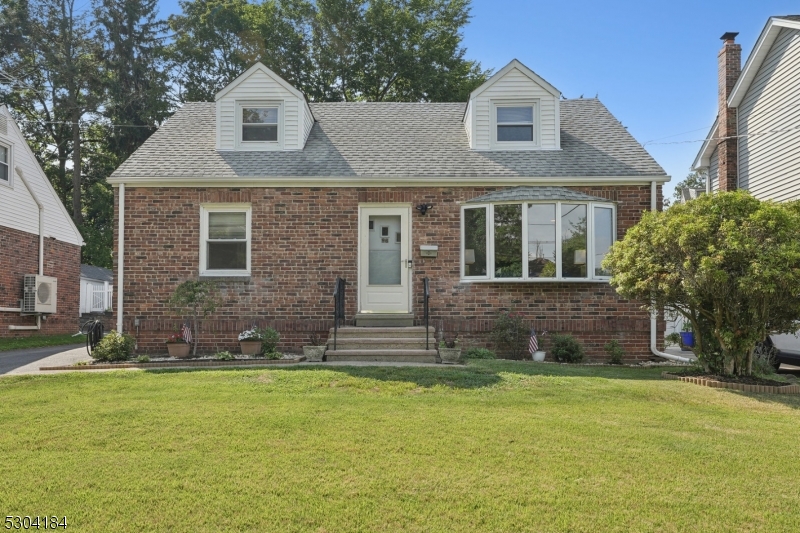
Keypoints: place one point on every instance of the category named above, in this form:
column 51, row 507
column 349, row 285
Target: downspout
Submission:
column 654, row 315
column 121, row 256
column 41, row 248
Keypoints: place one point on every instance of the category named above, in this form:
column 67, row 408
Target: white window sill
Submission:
column 225, row 274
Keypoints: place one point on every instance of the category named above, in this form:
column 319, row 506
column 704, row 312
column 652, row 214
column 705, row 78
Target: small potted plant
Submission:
column 177, row 346
column 250, row 341
column 449, row 351
column 316, row 351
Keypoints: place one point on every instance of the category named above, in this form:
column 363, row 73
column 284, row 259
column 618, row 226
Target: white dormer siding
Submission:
column 514, row 86
column 259, row 87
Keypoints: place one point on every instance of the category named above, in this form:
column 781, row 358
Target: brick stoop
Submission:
column 398, row 344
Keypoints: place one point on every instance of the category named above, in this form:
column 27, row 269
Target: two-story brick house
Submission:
column 508, row 201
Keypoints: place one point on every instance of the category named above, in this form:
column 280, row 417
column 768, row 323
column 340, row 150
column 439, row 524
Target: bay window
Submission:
column 536, row 241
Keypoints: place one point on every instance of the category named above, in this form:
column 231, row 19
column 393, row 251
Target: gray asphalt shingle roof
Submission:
column 392, row 139
column 95, row 272
column 536, row 193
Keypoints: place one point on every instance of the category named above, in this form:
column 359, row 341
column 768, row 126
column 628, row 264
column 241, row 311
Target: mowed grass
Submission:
column 496, row 446
column 39, row 341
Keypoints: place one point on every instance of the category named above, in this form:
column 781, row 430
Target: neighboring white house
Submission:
column 40, row 246
column 755, row 142
column 96, row 289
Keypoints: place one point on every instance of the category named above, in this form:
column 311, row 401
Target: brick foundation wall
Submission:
column 304, row 237
column 19, row 255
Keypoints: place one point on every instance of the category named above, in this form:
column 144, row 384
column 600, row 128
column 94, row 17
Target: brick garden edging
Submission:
column 714, row 384
column 181, row 364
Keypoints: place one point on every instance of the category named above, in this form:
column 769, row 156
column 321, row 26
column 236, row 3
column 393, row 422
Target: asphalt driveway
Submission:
column 14, row 359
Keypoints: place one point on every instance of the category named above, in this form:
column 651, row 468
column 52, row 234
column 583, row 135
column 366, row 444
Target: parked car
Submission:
column 785, row 348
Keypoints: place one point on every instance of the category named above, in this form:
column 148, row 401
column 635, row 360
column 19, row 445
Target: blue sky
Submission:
column 653, row 64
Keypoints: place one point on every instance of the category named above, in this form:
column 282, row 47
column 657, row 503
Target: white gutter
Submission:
column 654, row 315
column 121, row 255
column 41, row 247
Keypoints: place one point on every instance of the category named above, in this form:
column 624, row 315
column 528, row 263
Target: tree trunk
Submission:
column 77, row 216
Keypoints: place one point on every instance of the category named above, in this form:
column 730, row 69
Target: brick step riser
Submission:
column 332, row 356
column 383, row 333
column 383, row 344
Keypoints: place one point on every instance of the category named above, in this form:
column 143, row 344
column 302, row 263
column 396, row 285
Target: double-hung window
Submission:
column 515, row 125
column 5, row 164
column 225, row 239
column 259, row 125
column 536, row 241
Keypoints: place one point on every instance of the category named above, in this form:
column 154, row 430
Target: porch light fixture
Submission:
column 423, row 208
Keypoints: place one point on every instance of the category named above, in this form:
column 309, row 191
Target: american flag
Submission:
column 186, row 333
column 533, row 345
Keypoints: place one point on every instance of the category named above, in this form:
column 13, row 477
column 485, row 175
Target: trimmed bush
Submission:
column 615, row 352
column 566, row 349
column 269, row 340
column 114, row 347
column 479, row 353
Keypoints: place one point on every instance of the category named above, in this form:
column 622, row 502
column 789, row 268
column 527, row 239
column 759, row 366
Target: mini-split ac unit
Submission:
column 39, row 294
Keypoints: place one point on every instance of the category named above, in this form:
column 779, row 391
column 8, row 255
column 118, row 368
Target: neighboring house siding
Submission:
column 713, row 170
column 769, row 163
column 515, row 86
column 17, row 208
column 260, row 87
column 303, row 238
column 61, row 260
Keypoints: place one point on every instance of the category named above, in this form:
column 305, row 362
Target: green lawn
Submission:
column 38, row 341
column 498, row 446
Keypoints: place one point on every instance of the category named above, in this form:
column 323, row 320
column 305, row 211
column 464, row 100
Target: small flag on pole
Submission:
column 533, row 345
column 186, row 333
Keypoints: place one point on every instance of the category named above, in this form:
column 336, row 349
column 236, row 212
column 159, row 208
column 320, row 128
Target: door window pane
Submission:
column 475, row 242
column 603, row 237
column 508, row 241
column 542, row 240
column 384, row 253
column 573, row 240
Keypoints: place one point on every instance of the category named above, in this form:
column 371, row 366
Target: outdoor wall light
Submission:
column 423, row 208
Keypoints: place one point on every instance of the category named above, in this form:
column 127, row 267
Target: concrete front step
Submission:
column 349, row 332
column 363, row 343
column 405, row 356
column 376, row 320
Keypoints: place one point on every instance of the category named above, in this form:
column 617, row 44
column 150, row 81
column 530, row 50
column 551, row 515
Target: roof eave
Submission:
column 703, row 159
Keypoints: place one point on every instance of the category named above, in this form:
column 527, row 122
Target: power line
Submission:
column 675, row 135
column 756, row 134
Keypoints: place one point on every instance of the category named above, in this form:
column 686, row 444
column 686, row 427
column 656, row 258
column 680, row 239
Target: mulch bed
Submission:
column 180, row 363
column 742, row 383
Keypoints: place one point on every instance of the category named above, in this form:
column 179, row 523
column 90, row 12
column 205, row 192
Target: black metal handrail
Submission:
column 338, row 306
column 426, row 296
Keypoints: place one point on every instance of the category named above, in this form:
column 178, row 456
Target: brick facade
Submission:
column 303, row 238
column 20, row 256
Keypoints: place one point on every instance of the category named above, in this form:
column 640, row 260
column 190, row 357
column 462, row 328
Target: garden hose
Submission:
column 94, row 330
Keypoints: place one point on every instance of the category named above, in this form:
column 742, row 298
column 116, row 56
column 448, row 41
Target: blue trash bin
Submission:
column 687, row 338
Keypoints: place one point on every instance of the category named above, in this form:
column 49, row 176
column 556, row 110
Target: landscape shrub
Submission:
column 224, row 356
column 511, row 334
column 479, row 353
column 614, row 351
column 114, row 347
column 566, row 349
column 269, row 341
column 143, row 359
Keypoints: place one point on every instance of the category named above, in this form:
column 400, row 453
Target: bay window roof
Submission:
column 532, row 194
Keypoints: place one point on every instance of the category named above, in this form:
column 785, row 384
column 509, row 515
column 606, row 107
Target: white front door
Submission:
column 384, row 266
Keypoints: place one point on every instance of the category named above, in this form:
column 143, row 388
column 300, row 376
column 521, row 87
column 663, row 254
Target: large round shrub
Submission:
column 114, row 347
column 566, row 349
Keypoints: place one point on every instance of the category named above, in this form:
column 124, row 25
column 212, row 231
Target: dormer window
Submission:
column 516, row 125
column 259, row 125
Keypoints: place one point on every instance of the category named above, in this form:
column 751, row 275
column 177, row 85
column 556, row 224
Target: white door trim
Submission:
column 364, row 211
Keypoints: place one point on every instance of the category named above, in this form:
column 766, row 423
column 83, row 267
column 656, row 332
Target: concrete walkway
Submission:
column 29, row 360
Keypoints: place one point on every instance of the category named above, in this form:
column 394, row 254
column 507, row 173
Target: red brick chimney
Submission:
column 730, row 66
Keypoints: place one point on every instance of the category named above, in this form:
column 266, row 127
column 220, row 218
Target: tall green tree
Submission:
column 332, row 50
column 728, row 263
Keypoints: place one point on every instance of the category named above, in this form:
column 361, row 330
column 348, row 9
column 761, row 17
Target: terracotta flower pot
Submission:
column 250, row 347
column 178, row 349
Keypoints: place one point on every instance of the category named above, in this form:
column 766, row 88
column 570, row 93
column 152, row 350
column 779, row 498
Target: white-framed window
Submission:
column 259, row 125
column 6, row 176
column 225, row 239
column 536, row 241
column 515, row 124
